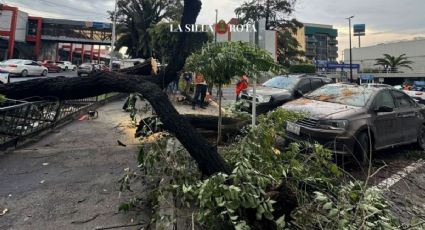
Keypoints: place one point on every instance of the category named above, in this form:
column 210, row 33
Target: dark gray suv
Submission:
column 347, row 118
column 281, row 89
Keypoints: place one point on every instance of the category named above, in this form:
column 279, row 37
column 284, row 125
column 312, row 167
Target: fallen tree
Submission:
column 206, row 156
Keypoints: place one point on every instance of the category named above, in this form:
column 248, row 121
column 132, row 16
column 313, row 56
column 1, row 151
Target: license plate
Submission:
column 4, row 77
column 293, row 128
column 246, row 104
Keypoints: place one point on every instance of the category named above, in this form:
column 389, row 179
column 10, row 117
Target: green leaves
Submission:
column 220, row 62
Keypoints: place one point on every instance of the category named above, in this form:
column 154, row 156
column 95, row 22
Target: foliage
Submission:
column 163, row 40
column 220, row 62
column 304, row 68
column 136, row 17
column 241, row 199
column 392, row 63
column 277, row 14
column 352, row 207
column 288, row 49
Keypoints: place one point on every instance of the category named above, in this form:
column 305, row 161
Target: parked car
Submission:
column 347, row 118
column 281, row 89
column 4, row 76
column 51, row 66
column 417, row 93
column 105, row 68
column 23, row 67
column 66, row 65
column 88, row 68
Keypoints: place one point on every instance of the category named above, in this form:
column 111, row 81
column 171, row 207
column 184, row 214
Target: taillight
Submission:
column 13, row 66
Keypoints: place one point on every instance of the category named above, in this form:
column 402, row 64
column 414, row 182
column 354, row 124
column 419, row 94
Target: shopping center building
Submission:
column 38, row 38
column 413, row 49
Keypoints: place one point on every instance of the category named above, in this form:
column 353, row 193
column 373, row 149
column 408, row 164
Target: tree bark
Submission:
column 207, row 157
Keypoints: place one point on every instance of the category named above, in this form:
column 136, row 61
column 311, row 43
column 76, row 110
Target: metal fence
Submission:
column 22, row 118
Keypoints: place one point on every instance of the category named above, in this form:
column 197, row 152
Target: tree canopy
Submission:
column 392, row 63
column 278, row 15
column 219, row 63
column 136, row 17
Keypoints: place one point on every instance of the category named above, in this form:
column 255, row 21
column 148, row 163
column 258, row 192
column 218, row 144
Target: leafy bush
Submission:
column 321, row 196
column 302, row 68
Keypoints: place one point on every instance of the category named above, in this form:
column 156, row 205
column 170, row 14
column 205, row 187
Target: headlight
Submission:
column 333, row 124
column 263, row 98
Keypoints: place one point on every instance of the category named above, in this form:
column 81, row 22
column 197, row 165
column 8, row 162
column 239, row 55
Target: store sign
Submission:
column 359, row 30
column 221, row 28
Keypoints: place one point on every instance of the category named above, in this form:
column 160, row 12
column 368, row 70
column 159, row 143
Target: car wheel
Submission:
column 421, row 137
column 362, row 149
column 24, row 73
column 66, row 68
column 44, row 73
column 75, row 68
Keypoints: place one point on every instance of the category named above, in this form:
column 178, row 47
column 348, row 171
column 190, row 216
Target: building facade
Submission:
column 319, row 42
column 366, row 56
column 37, row 38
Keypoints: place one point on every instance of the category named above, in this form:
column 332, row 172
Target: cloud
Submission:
column 385, row 20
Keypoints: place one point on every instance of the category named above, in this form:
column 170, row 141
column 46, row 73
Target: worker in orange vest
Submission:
column 241, row 86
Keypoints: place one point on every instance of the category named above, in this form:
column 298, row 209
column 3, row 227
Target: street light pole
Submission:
column 351, row 52
column 114, row 21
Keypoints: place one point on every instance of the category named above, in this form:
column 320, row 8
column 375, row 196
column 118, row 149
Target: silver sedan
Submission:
column 23, row 67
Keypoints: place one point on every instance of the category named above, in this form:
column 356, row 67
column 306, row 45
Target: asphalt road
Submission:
column 65, row 73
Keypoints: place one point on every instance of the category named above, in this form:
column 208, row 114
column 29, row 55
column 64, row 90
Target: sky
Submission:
column 386, row 20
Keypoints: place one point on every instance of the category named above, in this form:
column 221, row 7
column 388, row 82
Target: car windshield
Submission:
column 282, row 82
column 60, row 62
column 342, row 94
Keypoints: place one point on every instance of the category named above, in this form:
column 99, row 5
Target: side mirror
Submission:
column 298, row 93
column 383, row 109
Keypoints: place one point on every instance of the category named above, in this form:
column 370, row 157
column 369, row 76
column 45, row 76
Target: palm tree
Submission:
column 136, row 17
column 393, row 63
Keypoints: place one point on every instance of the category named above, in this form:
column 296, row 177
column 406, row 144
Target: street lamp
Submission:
column 351, row 52
column 114, row 20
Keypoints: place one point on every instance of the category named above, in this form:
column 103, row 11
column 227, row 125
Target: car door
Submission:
column 38, row 69
column 408, row 116
column 316, row 83
column 386, row 125
column 29, row 67
column 304, row 85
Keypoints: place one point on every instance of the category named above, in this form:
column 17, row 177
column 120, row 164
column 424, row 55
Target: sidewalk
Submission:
column 69, row 178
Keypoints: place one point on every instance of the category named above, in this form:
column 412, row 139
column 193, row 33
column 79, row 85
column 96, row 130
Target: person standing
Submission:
column 187, row 77
column 241, row 86
column 200, row 91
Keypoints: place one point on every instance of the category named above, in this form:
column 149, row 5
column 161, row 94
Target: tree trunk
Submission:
column 209, row 161
column 220, row 116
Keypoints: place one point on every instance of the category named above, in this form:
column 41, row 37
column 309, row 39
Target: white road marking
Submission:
column 387, row 183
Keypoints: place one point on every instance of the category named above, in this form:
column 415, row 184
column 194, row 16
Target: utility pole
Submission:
column 351, row 51
column 114, row 21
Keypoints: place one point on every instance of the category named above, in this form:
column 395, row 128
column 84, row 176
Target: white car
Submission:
column 23, row 67
column 66, row 65
column 4, row 76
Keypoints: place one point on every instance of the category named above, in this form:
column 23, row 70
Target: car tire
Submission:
column 362, row 149
column 66, row 68
column 79, row 74
column 75, row 68
column 44, row 73
column 24, row 73
column 421, row 137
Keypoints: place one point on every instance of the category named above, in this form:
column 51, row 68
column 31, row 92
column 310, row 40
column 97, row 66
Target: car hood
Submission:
column 268, row 91
column 322, row 110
